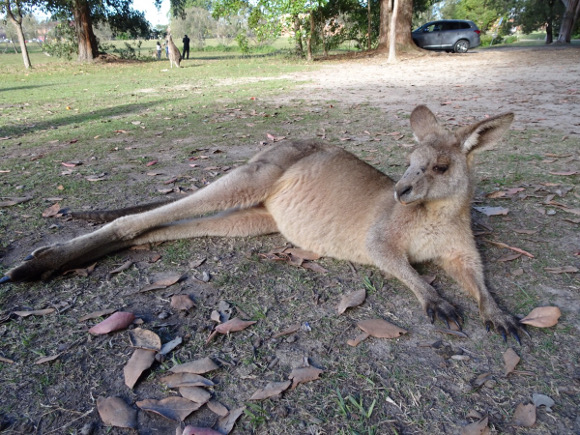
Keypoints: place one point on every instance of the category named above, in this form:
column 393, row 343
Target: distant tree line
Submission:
column 384, row 25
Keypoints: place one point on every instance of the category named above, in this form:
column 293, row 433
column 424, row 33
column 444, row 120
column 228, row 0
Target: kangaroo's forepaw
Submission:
column 444, row 311
column 506, row 324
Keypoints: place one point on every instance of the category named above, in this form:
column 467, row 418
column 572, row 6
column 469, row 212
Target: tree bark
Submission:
column 17, row 21
column 298, row 36
column 568, row 20
column 392, row 32
column 369, row 25
column 312, row 30
column 88, row 47
column 402, row 25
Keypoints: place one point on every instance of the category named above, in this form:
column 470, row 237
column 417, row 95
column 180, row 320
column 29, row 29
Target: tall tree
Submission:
column 533, row 14
column 395, row 28
column 568, row 20
column 15, row 11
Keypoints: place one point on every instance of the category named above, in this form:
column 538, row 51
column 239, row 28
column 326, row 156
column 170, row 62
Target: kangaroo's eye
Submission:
column 440, row 169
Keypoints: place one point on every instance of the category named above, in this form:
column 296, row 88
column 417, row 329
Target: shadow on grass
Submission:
column 20, row 88
column 79, row 118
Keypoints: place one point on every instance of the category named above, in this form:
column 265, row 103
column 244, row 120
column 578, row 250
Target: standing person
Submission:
column 166, row 50
column 185, row 47
column 158, row 48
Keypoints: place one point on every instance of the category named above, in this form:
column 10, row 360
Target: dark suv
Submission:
column 450, row 35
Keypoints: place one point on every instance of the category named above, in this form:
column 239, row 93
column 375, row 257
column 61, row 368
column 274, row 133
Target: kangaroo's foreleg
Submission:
column 467, row 270
column 245, row 187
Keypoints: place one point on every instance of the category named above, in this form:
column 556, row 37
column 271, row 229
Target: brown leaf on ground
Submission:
column 226, row 424
column 315, row 267
column 173, row 408
column 351, row 300
column 194, row 430
column 302, row 375
column 302, row 253
column 199, row 366
column 186, row 380
column 116, row 321
column 140, row 361
column 492, row 211
column 565, row 173
column 82, row 272
column 380, row 328
column 6, row 360
column 542, row 317
column 195, row 394
column 509, row 257
column 503, row 245
column 290, row 330
column 9, row 202
column 115, row 412
column 145, row 339
column 273, row 389
column 126, row 265
column 361, row 337
column 47, row 359
column 563, row 269
column 51, row 211
column 164, row 282
column 97, row 314
column 478, row 428
column 218, row 408
column 27, row 313
column 234, row 325
column 511, row 360
column 182, row 303
column 524, row 415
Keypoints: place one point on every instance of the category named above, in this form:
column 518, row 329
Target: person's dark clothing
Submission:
column 185, row 47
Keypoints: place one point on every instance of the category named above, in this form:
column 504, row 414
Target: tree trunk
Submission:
column 298, row 36
column 88, row 48
column 568, row 20
column 392, row 33
column 312, row 29
column 402, row 25
column 549, row 31
column 17, row 21
column 369, row 25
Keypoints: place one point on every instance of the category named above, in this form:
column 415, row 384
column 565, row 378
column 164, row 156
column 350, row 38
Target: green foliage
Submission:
column 63, row 41
column 243, row 43
column 484, row 14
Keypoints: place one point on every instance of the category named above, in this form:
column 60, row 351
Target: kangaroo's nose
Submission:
column 402, row 192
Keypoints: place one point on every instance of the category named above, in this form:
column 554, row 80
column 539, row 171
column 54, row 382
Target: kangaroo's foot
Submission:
column 440, row 308
column 42, row 263
column 503, row 323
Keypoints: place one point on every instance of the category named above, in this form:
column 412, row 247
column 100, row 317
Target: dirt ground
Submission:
column 425, row 382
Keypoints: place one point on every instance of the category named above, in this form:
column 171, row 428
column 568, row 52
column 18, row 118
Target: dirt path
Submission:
column 540, row 84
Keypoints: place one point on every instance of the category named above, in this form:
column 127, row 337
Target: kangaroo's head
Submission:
column 440, row 167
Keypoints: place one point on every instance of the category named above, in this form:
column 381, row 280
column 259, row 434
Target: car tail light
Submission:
column 477, row 31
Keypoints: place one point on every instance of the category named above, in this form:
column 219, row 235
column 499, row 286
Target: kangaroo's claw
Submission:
column 505, row 324
column 444, row 311
column 5, row 279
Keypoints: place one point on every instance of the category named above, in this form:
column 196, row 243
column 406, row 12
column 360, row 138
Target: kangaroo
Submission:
column 174, row 53
column 324, row 199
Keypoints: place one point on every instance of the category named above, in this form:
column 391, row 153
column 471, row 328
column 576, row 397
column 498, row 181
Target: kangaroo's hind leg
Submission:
column 245, row 187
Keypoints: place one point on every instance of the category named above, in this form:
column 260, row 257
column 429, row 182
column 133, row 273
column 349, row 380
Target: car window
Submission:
column 447, row 26
column 436, row 27
column 464, row 26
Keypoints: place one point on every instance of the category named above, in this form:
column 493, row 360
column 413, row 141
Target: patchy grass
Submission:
column 118, row 118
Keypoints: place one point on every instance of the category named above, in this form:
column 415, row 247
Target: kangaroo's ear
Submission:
column 424, row 123
column 484, row 134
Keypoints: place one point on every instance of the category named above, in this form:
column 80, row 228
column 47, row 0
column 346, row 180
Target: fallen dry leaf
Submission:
column 503, row 245
column 226, row 424
column 543, row 400
column 361, row 337
column 524, row 415
column 51, row 211
column 145, row 339
column 273, row 389
column 234, row 325
column 199, row 366
column 290, row 330
column 140, row 361
column 115, row 412
column 510, row 257
column 182, row 303
column 97, row 314
column 178, row 380
column 542, row 317
column 34, row 312
column 9, row 202
column 380, row 328
column 351, row 300
column 173, row 408
column 302, row 253
column 170, row 345
column 195, row 394
column 116, row 321
column 47, row 359
column 218, row 408
column 194, row 430
column 563, row 269
column 477, row 428
column 511, row 360
column 6, row 360
column 126, row 265
column 164, row 282
column 315, row 267
column 565, row 173
column 492, row 211
column 304, row 374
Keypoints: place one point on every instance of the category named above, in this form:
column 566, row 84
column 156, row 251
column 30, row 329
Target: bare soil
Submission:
column 424, row 382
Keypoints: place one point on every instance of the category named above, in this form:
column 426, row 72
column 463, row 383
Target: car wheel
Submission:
column 461, row 46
